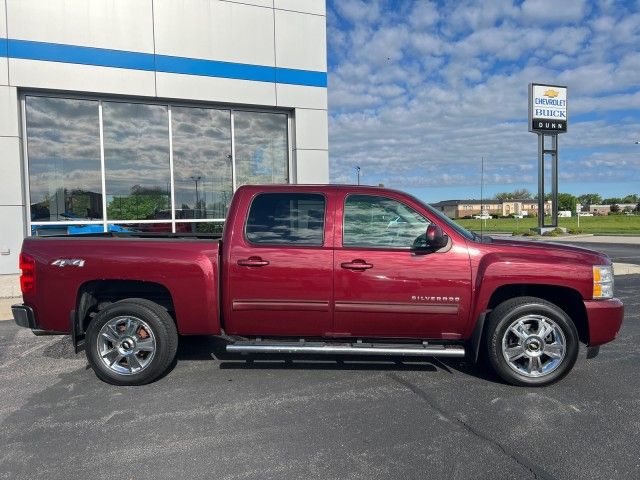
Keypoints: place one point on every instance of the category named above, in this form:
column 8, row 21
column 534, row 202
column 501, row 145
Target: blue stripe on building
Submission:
column 101, row 57
column 104, row 57
column 212, row 68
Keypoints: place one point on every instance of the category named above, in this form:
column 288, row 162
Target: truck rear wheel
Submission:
column 531, row 342
column 131, row 342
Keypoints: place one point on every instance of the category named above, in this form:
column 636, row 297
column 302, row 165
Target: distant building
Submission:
column 505, row 208
column 605, row 209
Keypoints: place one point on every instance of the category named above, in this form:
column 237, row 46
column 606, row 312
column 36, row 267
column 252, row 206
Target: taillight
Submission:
column 28, row 275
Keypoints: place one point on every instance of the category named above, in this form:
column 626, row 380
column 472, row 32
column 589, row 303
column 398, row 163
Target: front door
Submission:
column 280, row 268
column 384, row 287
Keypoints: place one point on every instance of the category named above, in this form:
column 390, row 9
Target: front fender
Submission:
column 498, row 270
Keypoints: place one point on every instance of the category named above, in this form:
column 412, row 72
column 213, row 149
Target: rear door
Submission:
column 384, row 287
column 280, row 267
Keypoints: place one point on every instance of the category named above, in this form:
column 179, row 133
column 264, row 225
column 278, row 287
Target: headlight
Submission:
column 602, row 281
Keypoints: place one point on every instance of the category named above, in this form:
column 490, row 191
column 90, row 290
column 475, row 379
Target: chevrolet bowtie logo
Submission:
column 551, row 93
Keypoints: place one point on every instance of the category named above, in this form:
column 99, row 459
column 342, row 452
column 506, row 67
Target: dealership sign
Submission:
column 547, row 108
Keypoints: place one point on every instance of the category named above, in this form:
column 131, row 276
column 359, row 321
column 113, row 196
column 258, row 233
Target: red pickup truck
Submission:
column 321, row 270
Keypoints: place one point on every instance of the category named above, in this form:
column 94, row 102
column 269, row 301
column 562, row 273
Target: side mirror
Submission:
column 435, row 237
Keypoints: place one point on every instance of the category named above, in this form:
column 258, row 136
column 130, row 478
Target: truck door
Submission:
column 384, row 287
column 279, row 272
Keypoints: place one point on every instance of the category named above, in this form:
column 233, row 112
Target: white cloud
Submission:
column 553, row 11
column 358, row 10
column 424, row 14
column 418, row 93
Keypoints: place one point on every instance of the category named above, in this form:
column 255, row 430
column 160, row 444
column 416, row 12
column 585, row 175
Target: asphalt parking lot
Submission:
column 220, row 416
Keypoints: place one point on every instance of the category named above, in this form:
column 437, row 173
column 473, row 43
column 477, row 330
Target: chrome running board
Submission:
column 357, row 348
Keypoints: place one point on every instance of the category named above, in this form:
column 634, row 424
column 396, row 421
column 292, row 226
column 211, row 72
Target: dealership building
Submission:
column 146, row 115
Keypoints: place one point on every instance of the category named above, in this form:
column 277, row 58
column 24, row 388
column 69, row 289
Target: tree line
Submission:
column 567, row 201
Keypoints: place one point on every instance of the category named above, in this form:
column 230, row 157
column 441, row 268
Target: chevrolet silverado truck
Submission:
column 321, row 270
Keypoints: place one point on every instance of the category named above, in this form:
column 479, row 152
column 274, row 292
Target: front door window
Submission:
column 379, row 222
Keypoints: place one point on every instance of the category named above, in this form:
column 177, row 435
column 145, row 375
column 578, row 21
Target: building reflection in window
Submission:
column 136, row 157
column 63, row 148
column 201, row 162
column 65, row 168
column 261, row 148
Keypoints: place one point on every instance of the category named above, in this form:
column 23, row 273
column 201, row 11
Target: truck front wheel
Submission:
column 131, row 342
column 531, row 342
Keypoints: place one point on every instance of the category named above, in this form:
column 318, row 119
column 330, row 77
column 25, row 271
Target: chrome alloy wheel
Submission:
column 126, row 345
column 534, row 345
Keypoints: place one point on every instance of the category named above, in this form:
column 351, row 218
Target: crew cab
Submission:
column 321, row 269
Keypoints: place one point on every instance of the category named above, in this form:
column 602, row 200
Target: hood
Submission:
column 553, row 249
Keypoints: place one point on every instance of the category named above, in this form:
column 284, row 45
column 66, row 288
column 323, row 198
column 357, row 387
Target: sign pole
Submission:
column 540, row 181
column 554, row 180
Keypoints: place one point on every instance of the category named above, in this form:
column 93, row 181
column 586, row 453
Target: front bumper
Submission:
column 24, row 316
column 605, row 319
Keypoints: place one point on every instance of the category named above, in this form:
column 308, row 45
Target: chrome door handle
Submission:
column 356, row 265
column 253, row 262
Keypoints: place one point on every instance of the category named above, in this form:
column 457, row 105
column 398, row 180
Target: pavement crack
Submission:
column 535, row 470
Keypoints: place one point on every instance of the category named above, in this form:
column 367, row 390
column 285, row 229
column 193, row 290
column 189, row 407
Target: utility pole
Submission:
column 358, row 173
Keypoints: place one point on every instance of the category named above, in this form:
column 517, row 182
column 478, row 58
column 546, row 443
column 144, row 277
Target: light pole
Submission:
column 197, row 179
column 358, row 173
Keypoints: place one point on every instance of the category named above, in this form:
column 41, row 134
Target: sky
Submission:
column 420, row 91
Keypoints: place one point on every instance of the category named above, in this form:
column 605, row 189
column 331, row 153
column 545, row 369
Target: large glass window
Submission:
column 261, row 148
column 136, row 159
column 286, row 219
column 102, row 165
column 63, row 145
column 202, row 162
column 374, row 221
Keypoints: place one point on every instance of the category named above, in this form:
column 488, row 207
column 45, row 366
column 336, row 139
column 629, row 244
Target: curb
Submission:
column 625, row 269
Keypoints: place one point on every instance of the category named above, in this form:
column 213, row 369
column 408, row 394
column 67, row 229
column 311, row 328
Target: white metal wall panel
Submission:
column 316, row 7
column 10, row 172
column 212, row 89
column 9, row 112
column 3, row 20
column 300, row 41
column 259, row 3
column 300, row 96
column 11, row 236
column 214, row 30
column 311, row 129
column 119, row 25
column 4, row 71
column 312, row 166
column 80, row 78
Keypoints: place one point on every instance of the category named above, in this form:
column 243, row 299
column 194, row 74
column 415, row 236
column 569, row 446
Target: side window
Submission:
column 372, row 221
column 286, row 219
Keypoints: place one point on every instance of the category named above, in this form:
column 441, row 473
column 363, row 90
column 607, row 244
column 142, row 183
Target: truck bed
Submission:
column 146, row 264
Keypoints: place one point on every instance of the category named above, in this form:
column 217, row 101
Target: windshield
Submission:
column 461, row 230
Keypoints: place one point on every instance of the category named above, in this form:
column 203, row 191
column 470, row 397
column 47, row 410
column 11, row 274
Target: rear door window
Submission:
column 286, row 219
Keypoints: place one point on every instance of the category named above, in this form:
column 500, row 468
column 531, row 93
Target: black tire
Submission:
column 163, row 330
column 504, row 315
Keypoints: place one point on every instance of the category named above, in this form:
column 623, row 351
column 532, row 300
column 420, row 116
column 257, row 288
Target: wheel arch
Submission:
column 96, row 294
column 566, row 298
